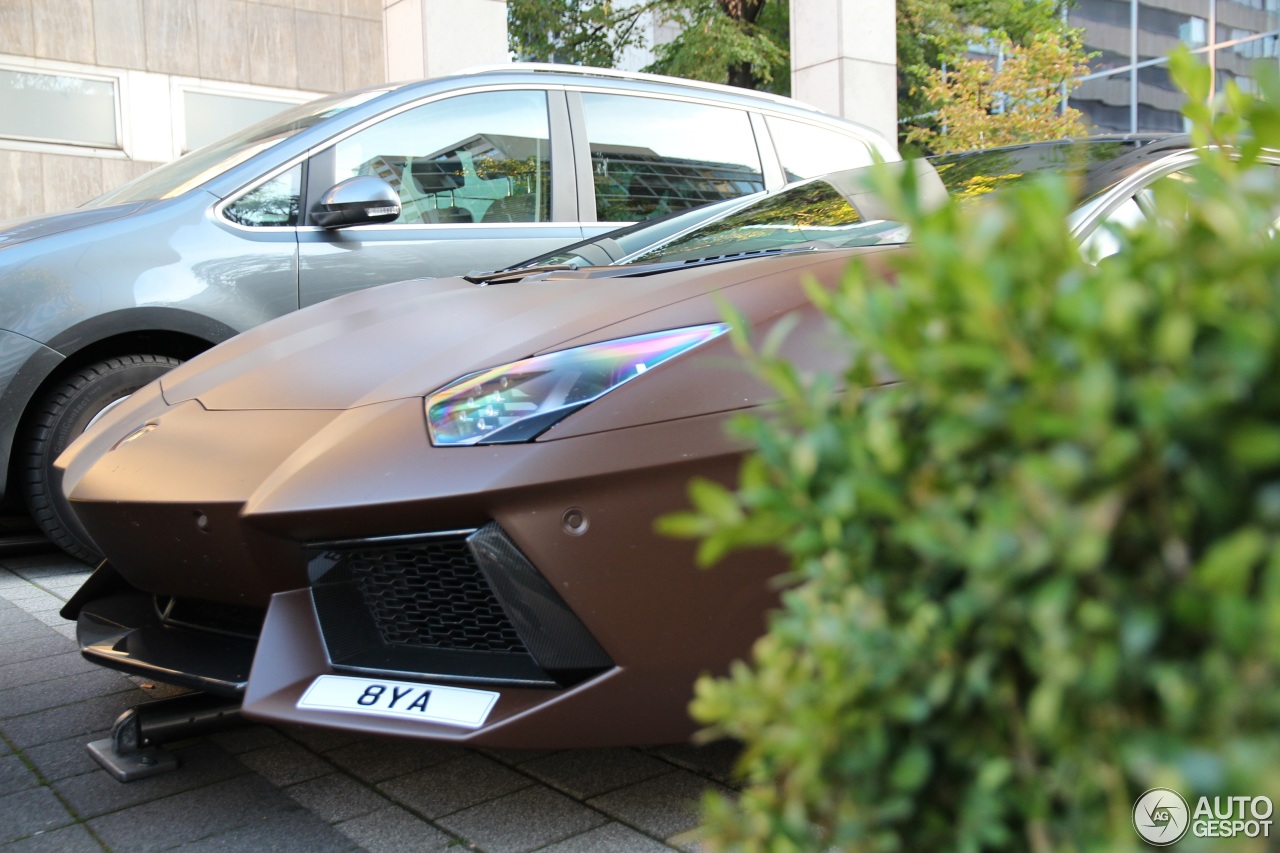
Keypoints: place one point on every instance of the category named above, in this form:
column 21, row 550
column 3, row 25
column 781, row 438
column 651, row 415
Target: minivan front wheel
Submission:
column 57, row 419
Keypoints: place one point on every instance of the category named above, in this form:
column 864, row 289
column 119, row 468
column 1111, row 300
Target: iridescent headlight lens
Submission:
column 518, row 401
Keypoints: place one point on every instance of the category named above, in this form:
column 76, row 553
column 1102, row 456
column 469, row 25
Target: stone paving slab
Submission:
column 70, row 839
column 35, row 810
column 294, row 788
column 586, row 773
column 455, row 785
column 610, row 838
column 526, row 820
column 44, row 695
column 663, row 807
column 193, row 815
column 395, row 830
column 203, row 765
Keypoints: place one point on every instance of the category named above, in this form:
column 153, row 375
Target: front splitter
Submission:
column 607, row 710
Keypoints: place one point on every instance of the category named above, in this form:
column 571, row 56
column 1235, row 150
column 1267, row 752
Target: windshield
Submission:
column 202, row 165
column 973, row 174
column 814, row 214
column 613, row 246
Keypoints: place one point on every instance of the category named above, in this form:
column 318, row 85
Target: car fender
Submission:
column 41, row 362
column 160, row 321
column 24, row 366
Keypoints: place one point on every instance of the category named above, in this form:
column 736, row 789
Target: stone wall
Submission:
column 311, row 46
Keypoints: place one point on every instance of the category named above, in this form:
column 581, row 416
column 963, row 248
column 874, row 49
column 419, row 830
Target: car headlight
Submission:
column 519, row 401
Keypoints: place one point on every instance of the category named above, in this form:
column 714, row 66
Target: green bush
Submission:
column 1039, row 574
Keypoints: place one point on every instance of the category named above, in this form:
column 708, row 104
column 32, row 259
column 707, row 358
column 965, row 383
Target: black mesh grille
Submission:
column 431, row 595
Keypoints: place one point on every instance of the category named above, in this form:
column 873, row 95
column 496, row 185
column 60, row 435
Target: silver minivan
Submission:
column 439, row 177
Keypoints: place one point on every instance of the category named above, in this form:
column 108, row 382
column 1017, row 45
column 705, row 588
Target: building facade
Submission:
column 95, row 92
column 1129, row 89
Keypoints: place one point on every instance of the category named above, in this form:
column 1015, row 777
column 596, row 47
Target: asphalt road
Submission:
column 261, row 788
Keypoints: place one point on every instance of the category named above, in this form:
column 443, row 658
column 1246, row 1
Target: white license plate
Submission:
column 432, row 703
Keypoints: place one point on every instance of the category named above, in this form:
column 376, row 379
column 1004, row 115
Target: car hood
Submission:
column 14, row 231
column 411, row 338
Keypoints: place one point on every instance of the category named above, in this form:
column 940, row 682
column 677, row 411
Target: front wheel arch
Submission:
column 30, row 470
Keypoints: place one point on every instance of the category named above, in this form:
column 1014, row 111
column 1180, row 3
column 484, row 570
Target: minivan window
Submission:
column 483, row 157
column 273, row 204
column 651, row 157
column 807, row 150
column 205, row 164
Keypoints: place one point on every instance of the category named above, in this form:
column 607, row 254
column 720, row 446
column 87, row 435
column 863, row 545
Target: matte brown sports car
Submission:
column 428, row 509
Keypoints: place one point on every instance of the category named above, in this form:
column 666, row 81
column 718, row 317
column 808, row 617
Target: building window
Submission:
column 62, row 108
column 1129, row 90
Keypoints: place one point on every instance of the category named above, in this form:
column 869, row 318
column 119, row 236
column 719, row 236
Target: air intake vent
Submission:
column 432, row 595
column 465, row 605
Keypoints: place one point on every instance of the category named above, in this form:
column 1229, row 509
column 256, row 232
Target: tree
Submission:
column 1040, row 573
column 983, row 104
column 739, row 42
column 573, row 32
column 725, row 41
column 931, row 32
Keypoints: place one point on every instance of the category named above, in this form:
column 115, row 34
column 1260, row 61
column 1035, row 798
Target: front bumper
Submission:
column 124, row 629
column 617, row 621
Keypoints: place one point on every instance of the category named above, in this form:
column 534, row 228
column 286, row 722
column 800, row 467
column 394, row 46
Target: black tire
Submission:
column 57, row 419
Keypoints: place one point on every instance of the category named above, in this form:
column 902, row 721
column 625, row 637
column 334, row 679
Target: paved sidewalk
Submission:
column 264, row 788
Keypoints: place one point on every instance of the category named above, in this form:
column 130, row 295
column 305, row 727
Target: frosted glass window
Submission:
column 58, row 108
column 210, row 117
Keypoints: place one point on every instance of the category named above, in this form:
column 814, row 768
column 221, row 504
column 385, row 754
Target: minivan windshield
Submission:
column 204, row 164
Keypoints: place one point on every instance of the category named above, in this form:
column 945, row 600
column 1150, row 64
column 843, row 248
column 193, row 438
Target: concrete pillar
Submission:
column 844, row 59
column 430, row 38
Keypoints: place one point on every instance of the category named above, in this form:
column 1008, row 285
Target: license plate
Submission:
column 432, row 703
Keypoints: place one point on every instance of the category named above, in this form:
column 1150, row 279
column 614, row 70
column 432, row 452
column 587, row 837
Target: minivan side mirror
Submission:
column 362, row 200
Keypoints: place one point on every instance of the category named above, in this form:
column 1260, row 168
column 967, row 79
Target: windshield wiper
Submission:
column 749, row 253
column 625, row 270
column 499, row 276
column 665, row 266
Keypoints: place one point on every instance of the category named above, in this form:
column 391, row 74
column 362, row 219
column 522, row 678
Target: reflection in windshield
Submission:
column 615, row 245
column 192, row 170
column 973, row 174
column 814, row 214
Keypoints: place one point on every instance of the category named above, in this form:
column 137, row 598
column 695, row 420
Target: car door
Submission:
column 485, row 179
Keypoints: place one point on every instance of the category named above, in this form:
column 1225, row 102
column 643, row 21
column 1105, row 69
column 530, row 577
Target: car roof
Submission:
column 576, row 73
column 390, row 96
column 541, row 73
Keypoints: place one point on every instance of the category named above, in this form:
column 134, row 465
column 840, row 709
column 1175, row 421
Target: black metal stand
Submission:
column 133, row 751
